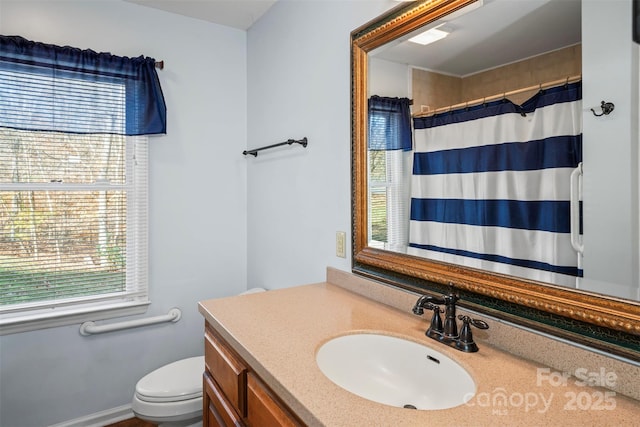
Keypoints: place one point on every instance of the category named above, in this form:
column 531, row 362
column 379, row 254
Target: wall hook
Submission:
column 607, row 107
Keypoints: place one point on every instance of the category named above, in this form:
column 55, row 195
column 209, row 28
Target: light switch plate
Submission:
column 341, row 244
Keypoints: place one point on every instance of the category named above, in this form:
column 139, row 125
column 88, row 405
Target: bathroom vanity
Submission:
column 233, row 395
column 261, row 369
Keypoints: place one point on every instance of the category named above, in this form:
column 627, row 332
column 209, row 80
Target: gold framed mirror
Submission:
column 424, row 275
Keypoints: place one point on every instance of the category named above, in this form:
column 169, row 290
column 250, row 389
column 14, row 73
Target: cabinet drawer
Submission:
column 218, row 412
column 263, row 408
column 228, row 370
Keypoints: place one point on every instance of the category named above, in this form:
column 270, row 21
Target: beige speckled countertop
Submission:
column 278, row 333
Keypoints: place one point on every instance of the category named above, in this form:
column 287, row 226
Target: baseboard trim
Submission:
column 100, row 419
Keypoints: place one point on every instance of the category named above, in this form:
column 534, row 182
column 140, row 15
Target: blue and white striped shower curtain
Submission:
column 491, row 186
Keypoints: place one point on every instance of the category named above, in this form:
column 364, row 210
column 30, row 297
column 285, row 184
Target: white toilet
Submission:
column 171, row 396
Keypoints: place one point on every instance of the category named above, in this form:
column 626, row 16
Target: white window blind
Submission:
column 389, row 199
column 73, row 206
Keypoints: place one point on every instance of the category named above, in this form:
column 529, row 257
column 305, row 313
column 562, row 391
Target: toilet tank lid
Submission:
column 180, row 380
column 252, row 291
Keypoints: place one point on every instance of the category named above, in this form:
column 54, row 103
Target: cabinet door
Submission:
column 217, row 411
column 263, row 408
column 228, row 370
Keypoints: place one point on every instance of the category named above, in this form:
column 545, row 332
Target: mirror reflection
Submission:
column 480, row 149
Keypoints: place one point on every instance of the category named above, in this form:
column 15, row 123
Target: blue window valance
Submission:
column 64, row 89
column 389, row 124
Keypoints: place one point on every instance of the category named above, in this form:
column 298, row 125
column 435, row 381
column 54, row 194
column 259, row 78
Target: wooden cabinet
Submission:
column 265, row 408
column 233, row 395
column 227, row 369
column 217, row 410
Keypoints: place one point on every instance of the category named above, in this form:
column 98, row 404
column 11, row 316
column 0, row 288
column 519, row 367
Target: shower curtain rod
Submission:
column 571, row 79
column 254, row 152
column 160, row 65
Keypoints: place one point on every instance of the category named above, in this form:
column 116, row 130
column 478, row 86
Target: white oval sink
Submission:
column 395, row 372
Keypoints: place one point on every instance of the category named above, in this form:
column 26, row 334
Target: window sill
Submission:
column 13, row 325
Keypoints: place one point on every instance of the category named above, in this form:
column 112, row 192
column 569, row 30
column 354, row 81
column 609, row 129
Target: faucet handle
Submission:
column 465, row 341
column 480, row 324
column 436, row 320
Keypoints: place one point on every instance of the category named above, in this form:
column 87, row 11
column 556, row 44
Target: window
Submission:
column 389, row 171
column 73, row 197
column 389, row 199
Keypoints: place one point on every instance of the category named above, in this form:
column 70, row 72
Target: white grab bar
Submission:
column 574, row 204
column 90, row 328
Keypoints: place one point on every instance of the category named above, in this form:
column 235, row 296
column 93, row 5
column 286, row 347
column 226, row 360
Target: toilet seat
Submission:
column 177, row 381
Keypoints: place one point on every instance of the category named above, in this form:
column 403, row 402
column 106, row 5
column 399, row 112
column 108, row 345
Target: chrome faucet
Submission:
column 448, row 332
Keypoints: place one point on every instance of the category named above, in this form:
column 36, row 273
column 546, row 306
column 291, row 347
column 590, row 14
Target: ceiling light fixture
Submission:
column 437, row 33
column 430, row 36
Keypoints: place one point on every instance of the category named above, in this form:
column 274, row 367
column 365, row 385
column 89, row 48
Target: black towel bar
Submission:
column 254, row 152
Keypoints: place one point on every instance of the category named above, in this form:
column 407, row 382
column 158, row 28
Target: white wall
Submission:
column 197, row 207
column 610, row 190
column 299, row 85
column 386, row 78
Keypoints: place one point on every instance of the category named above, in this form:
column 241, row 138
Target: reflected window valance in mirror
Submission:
column 506, row 188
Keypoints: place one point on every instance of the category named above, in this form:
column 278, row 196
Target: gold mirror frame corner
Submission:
column 605, row 312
